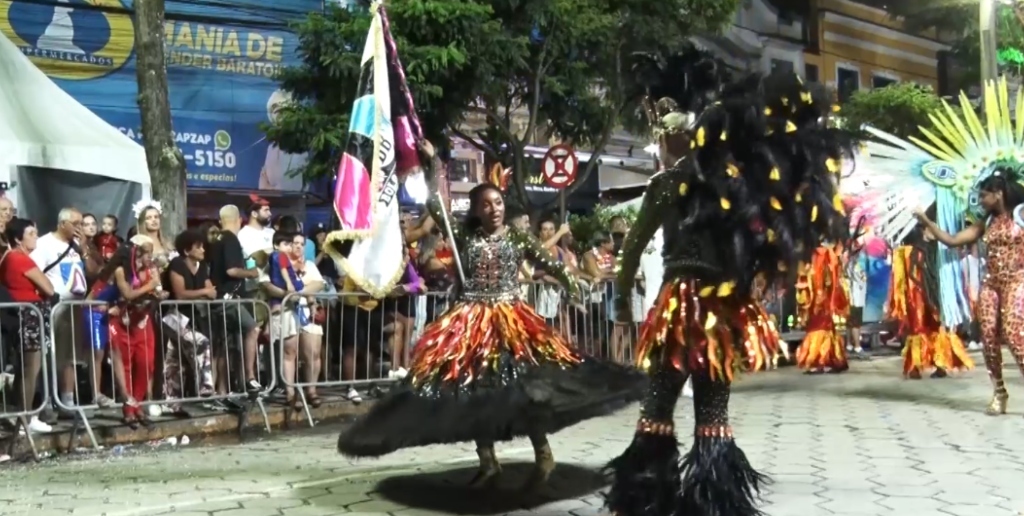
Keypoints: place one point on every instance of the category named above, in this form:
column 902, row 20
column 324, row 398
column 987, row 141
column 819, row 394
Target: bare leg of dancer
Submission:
column 544, row 462
column 988, row 316
column 490, row 468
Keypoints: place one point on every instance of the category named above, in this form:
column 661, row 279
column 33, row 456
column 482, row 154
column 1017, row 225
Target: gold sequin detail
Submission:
column 775, row 175
column 725, row 203
column 732, row 170
column 701, row 136
column 775, row 203
column 683, row 188
column 790, row 127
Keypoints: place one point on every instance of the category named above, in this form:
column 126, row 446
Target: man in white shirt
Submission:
column 857, row 270
column 257, row 236
column 65, row 268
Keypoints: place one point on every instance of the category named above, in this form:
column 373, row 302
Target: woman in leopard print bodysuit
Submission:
column 1002, row 292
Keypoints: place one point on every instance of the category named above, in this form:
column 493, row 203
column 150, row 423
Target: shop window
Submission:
column 462, row 170
column 847, row 82
column 811, row 72
column 782, row 66
column 879, row 81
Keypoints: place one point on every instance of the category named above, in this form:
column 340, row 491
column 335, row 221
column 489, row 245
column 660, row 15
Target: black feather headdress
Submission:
column 682, row 83
column 764, row 165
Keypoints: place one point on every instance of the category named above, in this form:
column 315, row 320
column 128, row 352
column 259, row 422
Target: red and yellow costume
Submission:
column 823, row 305
column 926, row 344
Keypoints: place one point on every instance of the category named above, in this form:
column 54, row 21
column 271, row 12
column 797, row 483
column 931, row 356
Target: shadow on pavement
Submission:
column 447, row 491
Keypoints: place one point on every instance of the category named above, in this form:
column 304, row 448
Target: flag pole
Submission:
column 417, row 129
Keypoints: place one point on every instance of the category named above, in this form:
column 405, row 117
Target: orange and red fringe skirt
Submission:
column 934, row 349
column 470, row 336
column 823, row 346
column 694, row 328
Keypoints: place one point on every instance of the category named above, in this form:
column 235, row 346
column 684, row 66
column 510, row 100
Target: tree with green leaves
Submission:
column 562, row 67
column 446, row 46
column 961, row 19
column 570, row 72
column 898, row 109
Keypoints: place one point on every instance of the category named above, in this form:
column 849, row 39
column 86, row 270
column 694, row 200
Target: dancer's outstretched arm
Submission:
column 435, row 205
column 657, row 197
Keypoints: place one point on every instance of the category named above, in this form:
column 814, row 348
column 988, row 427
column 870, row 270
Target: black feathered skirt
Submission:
column 693, row 330
column 488, row 372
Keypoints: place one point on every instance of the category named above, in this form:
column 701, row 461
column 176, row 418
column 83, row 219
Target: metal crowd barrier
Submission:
column 195, row 337
column 24, row 385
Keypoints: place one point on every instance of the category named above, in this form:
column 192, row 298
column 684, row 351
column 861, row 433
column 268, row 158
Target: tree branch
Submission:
column 535, row 101
column 477, row 145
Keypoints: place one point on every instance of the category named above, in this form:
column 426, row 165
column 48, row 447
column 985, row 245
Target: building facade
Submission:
column 857, row 45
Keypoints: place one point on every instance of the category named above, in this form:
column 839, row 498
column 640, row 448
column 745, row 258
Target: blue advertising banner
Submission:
column 222, row 57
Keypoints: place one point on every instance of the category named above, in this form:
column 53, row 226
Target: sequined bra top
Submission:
column 491, row 265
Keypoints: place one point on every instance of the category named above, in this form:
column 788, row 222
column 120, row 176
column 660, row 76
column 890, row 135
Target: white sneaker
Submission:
column 155, row 410
column 401, row 373
column 688, row 388
column 353, row 396
column 974, row 345
column 36, row 427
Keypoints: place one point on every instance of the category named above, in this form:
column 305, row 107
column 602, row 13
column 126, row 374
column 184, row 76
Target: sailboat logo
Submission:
column 70, row 39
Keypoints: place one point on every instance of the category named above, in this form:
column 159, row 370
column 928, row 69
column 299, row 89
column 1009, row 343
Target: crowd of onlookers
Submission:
column 147, row 321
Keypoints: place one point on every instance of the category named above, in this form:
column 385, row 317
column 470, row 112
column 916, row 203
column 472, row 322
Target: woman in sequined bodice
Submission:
column 492, row 267
column 1002, row 291
column 490, row 369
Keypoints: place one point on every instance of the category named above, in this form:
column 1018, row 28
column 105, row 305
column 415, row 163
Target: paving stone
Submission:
column 854, row 444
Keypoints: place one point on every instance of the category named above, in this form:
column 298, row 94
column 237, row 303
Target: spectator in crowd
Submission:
column 210, row 229
column 187, row 361
column 599, row 264
column 520, row 221
column 6, row 214
column 228, row 273
column 437, row 268
column 148, row 224
column 26, row 283
column 59, row 258
column 258, row 234
column 618, row 227
column 311, row 336
column 549, row 292
column 400, row 315
column 148, row 215
column 6, row 210
column 88, row 244
column 256, row 239
column 306, row 344
column 107, row 240
column 132, row 338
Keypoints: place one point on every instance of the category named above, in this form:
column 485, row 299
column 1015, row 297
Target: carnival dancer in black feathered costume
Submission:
column 490, row 369
column 750, row 189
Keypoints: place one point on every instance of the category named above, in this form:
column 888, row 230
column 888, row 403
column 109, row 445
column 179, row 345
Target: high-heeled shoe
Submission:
column 489, row 470
column 997, row 406
column 542, row 468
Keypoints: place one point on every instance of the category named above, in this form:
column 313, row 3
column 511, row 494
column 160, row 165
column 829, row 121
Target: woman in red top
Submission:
column 27, row 284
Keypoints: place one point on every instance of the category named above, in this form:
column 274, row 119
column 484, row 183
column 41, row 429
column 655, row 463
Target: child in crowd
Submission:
column 107, row 240
column 130, row 324
column 282, row 275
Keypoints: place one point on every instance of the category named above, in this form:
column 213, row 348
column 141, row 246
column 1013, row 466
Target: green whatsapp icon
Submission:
column 221, row 140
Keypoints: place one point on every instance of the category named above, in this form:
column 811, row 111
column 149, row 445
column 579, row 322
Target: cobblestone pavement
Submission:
column 862, row 443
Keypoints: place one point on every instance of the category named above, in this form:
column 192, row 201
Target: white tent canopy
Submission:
column 42, row 126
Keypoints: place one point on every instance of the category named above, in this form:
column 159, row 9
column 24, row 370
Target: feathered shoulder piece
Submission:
column 765, row 165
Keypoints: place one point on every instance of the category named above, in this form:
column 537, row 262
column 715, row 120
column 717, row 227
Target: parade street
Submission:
column 861, row 443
